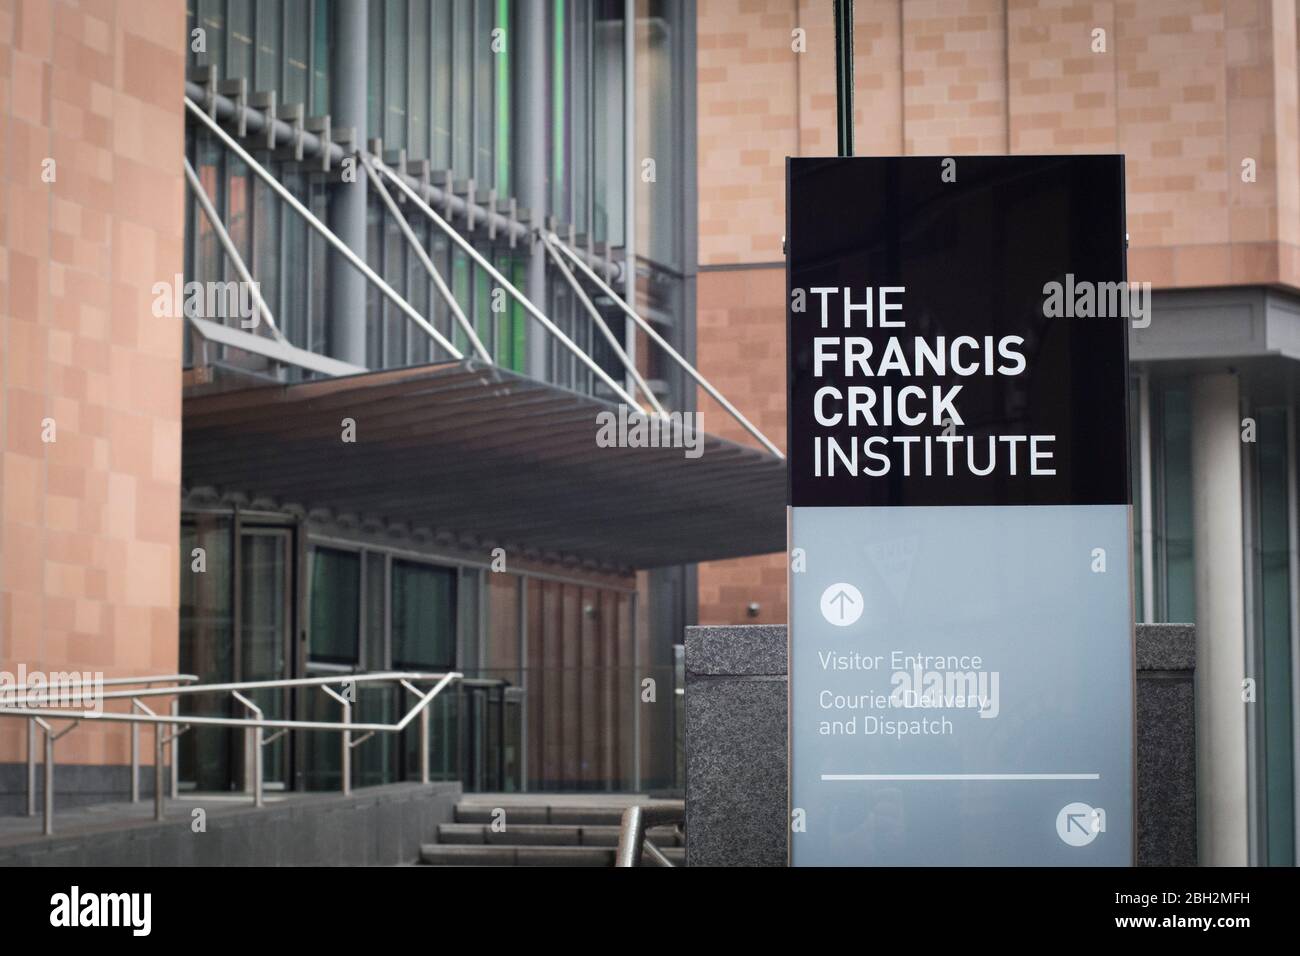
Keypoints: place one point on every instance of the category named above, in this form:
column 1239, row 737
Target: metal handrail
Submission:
column 39, row 714
column 636, row 820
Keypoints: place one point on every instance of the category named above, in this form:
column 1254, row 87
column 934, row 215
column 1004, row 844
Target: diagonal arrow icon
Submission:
column 1073, row 821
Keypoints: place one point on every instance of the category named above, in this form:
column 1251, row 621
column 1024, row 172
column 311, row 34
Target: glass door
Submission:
column 265, row 629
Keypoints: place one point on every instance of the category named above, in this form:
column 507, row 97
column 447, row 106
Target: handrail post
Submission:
column 135, row 758
column 346, row 755
column 159, row 743
column 176, row 772
column 253, row 739
column 31, row 767
column 630, row 837
column 347, row 749
column 424, row 745
column 49, row 781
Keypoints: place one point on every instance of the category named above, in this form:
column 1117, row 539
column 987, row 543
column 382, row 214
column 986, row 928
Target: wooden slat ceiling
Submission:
column 489, row 455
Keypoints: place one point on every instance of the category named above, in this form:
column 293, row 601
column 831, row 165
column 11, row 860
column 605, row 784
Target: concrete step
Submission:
column 548, row 834
column 438, row 854
column 547, row 813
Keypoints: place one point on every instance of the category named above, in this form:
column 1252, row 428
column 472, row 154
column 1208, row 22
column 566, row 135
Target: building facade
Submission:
column 319, row 425
column 1201, row 99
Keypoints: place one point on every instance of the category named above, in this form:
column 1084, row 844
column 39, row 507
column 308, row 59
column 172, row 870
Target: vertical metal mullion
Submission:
column 473, row 94
column 629, row 181
column 1249, row 505
column 524, row 682
column 1159, row 503
column 283, row 53
column 1293, row 575
column 364, row 604
column 311, row 56
column 236, row 650
column 1146, row 530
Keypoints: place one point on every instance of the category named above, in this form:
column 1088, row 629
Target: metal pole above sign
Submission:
column 844, row 76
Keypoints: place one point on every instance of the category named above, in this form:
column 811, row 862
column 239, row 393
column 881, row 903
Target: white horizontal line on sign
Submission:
column 961, row 776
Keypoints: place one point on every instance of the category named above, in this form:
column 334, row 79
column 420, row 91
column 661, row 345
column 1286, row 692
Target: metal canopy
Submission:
column 489, row 456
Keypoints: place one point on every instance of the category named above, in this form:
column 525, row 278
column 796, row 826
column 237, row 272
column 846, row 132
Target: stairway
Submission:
column 546, row 832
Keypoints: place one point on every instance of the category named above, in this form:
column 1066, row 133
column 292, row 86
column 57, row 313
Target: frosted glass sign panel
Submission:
column 961, row 620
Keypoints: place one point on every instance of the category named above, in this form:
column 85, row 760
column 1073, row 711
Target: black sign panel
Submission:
column 957, row 331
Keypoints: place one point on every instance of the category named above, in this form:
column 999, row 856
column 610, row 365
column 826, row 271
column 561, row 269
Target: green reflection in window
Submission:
column 335, row 605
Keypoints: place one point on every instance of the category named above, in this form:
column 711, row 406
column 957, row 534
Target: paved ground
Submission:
column 107, row 817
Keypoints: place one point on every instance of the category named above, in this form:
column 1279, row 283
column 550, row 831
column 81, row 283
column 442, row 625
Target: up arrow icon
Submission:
column 841, row 604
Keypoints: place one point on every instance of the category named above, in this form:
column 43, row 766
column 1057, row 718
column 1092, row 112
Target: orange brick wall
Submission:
column 88, row 522
column 1186, row 89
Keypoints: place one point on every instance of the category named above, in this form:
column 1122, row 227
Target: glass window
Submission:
column 322, row 36
column 441, row 108
column 376, row 611
column 658, row 92
column 1135, row 488
column 1274, row 633
column 239, row 23
column 396, row 31
column 206, row 646
column 424, row 615
column 417, row 146
column 559, row 134
column 607, row 122
column 1174, row 533
column 335, row 605
column 502, row 61
column 269, row 22
column 462, row 80
column 297, row 51
column 212, row 19
column 484, row 72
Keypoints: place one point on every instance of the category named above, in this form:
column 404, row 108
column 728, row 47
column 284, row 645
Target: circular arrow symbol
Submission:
column 842, row 604
column 1078, row 824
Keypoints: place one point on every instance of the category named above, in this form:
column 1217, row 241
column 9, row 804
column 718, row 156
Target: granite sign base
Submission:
column 736, row 746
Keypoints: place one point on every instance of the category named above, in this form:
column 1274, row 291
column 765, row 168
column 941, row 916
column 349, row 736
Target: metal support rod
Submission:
column 347, row 198
column 255, row 121
column 505, row 283
column 631, row 837
column 423, row 256
column 159, row 769
column 31, row 768
column 252, row 748
column 159, row 732
column 597, row 318
column 844, row 76
column 339, row 245
column 663, row 343
column 347, row 737
column 232, row 253
column 631, row 167
column 347, row 750
column 48, row 827
column 424, row 733
column 424, row 745
column 176, row 732
column 135, row 758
